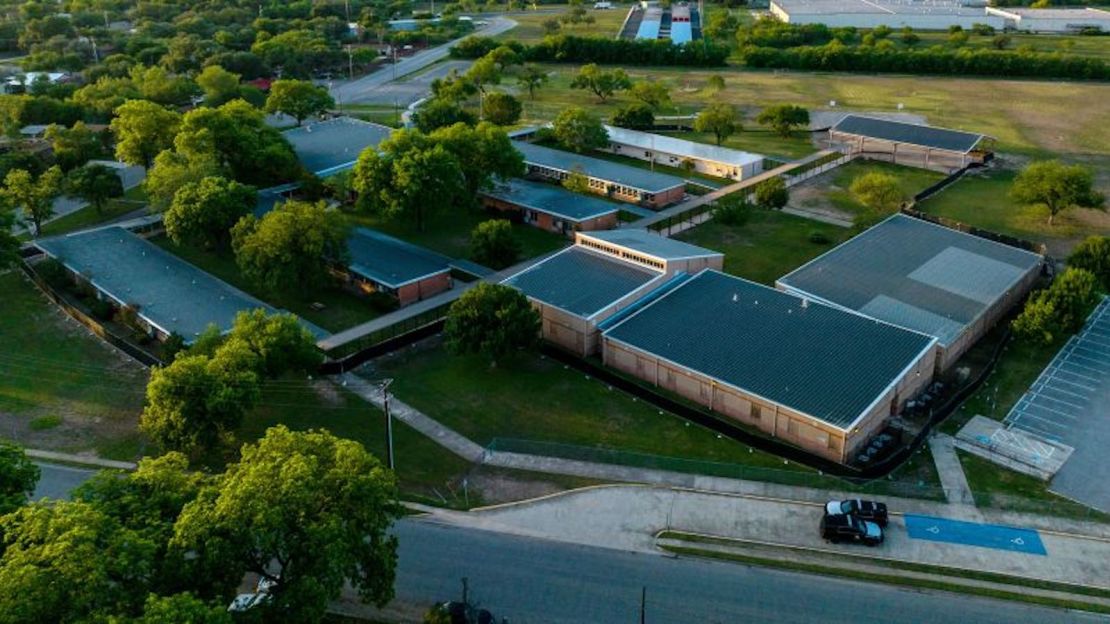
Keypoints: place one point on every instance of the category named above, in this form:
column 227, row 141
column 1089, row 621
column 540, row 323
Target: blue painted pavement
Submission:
column 973, row 534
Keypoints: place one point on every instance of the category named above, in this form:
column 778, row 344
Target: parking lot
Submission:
column 1068, row 404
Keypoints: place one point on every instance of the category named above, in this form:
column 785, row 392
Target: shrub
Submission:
column 733, row 210
column 101, row 310
column 53, row 272
column 573, row 49
column 817, row 237
column 635, row 116
column 42, row 423
column 772, row 193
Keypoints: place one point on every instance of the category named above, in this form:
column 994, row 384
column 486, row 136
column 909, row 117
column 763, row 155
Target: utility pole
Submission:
column 466, row 591
column 643, row 604
column 350, row 63
column 389, row 430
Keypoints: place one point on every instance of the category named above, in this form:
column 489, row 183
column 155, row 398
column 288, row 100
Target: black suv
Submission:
column 862, row 509
column 838, row 528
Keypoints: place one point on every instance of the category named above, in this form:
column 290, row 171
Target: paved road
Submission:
column 365, row 89
column 531, row 581
column 403, row 92
column 57, row 481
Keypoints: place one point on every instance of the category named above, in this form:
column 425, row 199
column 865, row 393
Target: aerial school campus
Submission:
column 660, row 277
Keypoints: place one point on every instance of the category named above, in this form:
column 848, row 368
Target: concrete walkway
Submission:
column 951, row 472
column 815, row 215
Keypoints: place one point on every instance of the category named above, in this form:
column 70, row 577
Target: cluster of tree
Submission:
column 564, row 48
column 452, row 96
column 290, row 249
column 1053, row 313
column 836, row 56
column 307, row 512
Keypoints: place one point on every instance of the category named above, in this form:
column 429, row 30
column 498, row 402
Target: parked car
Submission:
column 862, row 509
column 838, row 528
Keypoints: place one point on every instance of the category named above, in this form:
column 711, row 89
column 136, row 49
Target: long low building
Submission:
column 917, row 14
column 912, row 145
column 711, row 160
column 380, row 263
column 551, row 207
column 921, row 276
column 168, row 295
column 821, row 378
column 1054, row 19
column 326, row 148
column 605, row 177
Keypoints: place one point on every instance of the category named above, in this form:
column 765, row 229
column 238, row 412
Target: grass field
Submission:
column 86, row 217
column 530, row 27
column 768, row 246
column 829, row 194
column 341, row 309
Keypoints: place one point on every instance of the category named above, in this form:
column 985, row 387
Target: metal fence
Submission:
column 351, row 354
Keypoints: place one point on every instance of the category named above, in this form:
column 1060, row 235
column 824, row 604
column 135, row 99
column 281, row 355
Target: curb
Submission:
column 82, row 460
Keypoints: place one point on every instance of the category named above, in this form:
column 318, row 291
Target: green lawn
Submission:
column 534, row 398
column 768, row 246
column 529, row 28
column 832, row 187
column 87, row 217
column 1001, row 488
column 342, row 309
column 385, row 115
column 449, row 232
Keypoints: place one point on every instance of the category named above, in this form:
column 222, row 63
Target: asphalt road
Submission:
column 57, row 481
column 531, row 581
column 412, row 88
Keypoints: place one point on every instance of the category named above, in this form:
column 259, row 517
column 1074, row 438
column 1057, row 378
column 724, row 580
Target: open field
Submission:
column 342, row 309
column 448, row 232
column 1074, row 45
column 828, row 193
column 530, row 27
column 768, row 246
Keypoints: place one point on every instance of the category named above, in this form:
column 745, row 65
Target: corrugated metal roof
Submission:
column 390, row 261
column 328, row 147
column 642, row 179
column 643, row 241
column 580, row 281
column 914, row 134
column 681, row 147
column 915, row 274
column 552, row 199
column 813, row 358
column 169, row 292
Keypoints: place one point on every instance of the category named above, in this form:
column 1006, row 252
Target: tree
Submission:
column 733, row 210
column 18, row 477
column 95, row 184
column 1093, row 255
column 237, row 138
column 74, row 146
column 34, row 197
column 784, row 118
column 219, row 85
column 280, row 342
column 1059, row 310
column 550, row 26
column 484, row 72
column 1001, row 42
column 772, row 193
column 493, row 244
column 577, row 182
column 579, row 130
column 653, row 93
column 409, row 176
column 878, row 191
column 299, row 99
column 182, row 608
column 161, row 87
column 718, row 119
column 502, row 109
column 203, row 212
column 439, row 113
column 715, row 83
column 601, row 82
column 531, row 77
column 1056, row 187
column 171, row 171
column 484, row 153
column 491, row 320
column 143, row 130
column 636, row 116
column 306, row 510
column 9, row 243
column 291, row 247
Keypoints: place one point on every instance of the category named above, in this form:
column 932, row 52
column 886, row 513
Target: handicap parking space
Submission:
column 994, row 536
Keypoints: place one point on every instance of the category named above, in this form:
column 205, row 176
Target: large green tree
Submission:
column 18, row 477
column 183, row 608
column 218, row 84
column 237, row 138
column 280, row 342
column 1057, row 187
column 95, row 184
column 34, row 197
column 73, row 147
column 291, row 247
column 440, row 113
column 601, row 82
column 1055, row 312
column 579, row 130
column 502, row 109
column 783, row 118
column 299, row 99
column 652, row 93
column 171, row 172
column 203, row 213
column 143, row 130
column 531, row 77
column 484, row 153
column 718, row 119
column 1093, row 254
column 493, row 244
column 772, row 193
column 306, row 510
column 491, row 320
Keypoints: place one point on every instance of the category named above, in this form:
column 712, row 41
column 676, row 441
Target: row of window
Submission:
column 623, row 254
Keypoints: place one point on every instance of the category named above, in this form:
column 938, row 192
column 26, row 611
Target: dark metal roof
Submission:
column 552, row 199
column 581, row 282
column 813, row 358
column 331, row 146
column 389, row 261
column 915, row 274
column 614, row 172
column 914, row 134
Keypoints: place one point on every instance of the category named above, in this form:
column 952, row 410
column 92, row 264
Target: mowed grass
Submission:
column 534, row 398
column 768, row 246
column 832, row 188
column 341, row 309
column 529, row 28
column 88, row 216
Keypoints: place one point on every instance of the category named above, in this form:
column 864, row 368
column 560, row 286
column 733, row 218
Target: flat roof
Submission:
column 824, row 362
column 681, row 147
column 552, row 199
column 624, row 175
column 913, row 134
column 1056, row 13
column 649, row 243
column 328, row 147
column 915, row 274
column 390, row 261
column 170, row 293
column 879, row 7
column 580, row 281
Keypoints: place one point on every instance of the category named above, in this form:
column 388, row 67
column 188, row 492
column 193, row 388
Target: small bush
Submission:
column 732, row 210
column 817, row 237
column 42, row 423
column 53, row 272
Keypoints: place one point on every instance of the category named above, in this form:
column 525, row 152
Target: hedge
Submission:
column 572, row 49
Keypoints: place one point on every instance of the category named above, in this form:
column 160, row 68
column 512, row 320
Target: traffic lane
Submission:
column 57, row 482
column 404, row 92
column 529, row 580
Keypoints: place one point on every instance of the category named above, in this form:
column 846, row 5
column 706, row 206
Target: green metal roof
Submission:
column 581, row 282
column 552, row 199
column 915, row 274
column 390, row 261
column 650, row 243
column 914, row 134
column 813, row 358
column 614, row 172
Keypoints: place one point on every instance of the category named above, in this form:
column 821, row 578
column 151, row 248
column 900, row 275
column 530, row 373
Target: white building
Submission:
column 708, row 159
column 917, row 14
column 1055, row 20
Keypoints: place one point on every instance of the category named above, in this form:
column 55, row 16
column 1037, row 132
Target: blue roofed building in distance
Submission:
column 325, row 148
column 551, row 207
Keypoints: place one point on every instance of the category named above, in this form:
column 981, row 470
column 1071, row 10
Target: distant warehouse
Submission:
column 1054, row 20
column 913, row 145
column 917, row 14
column 821, row 378
column 711, row 160
column 921, row 276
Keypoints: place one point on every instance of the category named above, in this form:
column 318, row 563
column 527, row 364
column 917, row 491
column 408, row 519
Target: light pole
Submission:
column 388, row 423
